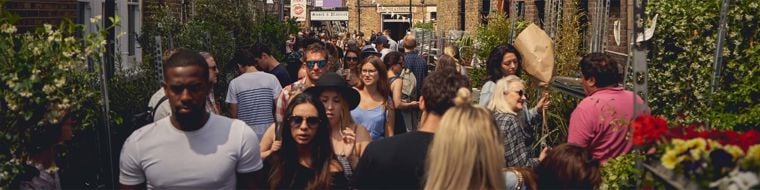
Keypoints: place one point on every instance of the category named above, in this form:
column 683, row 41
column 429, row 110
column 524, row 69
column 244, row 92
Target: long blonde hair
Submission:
column 466, row 152
column 498, row 100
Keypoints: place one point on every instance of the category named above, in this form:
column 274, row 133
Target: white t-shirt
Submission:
column 254, row 93
column 163, row 110
column 165, row 157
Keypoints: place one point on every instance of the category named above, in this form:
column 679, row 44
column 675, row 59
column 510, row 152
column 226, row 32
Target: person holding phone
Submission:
column 348, row 138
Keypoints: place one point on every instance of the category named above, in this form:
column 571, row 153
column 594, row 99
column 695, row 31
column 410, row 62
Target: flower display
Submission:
column 707, row 156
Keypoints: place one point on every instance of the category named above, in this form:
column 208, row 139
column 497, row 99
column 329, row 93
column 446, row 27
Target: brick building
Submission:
column 34, row 14
column 366, row 16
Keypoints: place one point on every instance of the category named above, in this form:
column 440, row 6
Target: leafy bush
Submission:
column 622, row 172
column 219, row 27
column 44, row 78
column 682, row 57
column 496, row 33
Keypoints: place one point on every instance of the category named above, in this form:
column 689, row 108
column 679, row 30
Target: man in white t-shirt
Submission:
column 191, row 149
column 251, row 95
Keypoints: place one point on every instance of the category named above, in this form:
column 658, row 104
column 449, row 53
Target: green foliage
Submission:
column 567, row 54
column 477, row 76
column 621, row 172
column 424, row 25
column 682, row 57
column 219, row 27
column 496, row 33
column 44, row 78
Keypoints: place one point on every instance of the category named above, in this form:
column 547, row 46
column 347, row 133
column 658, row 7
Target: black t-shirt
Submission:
column 394, row 163
column 300, row 178
column 282, row 75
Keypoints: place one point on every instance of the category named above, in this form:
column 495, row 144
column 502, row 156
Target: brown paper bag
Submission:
column 537, row 53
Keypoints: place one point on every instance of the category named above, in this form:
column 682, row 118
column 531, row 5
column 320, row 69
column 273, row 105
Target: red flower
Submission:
column 647, row 129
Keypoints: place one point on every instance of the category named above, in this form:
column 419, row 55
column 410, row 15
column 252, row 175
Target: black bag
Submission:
column 146, row 117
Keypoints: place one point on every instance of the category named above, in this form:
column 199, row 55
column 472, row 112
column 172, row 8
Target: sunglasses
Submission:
column 320, row 63
column 352, row 59
column 295, row 121
column 520, row 92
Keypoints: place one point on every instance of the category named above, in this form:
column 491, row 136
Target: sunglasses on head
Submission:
column 295, row 121
column 320, row 63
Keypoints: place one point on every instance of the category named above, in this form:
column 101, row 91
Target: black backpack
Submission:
column 146, row 117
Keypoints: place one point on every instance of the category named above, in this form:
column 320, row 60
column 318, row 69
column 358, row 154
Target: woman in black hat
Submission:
column 347, row 137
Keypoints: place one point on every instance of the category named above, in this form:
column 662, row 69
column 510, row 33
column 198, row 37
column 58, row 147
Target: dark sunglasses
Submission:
column 295, row 121
column 352, row 59
column 320, row 63
column 520, row 92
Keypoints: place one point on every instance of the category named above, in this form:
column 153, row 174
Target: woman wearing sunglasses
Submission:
column 507, row 100
column 306, row 159
column 350, row 60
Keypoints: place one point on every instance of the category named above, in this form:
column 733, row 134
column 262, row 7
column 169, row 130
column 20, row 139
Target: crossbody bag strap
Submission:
column 160, row 101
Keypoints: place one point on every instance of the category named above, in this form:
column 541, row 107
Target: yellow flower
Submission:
column 677, row 141
column 670, row 159
column 734, row 150
column 714, row 144
column 698, row 143
column 753, row 153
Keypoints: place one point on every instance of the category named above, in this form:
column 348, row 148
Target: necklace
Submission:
column 343, row 140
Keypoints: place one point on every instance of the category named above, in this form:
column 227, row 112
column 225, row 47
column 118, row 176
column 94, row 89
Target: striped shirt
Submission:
column 254, row 93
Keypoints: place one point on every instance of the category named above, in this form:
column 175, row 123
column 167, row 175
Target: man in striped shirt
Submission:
column 251, row 95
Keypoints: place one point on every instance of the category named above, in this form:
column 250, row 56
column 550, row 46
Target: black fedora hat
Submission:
column 334, row 81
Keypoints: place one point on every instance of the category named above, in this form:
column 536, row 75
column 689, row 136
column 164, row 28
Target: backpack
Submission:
column 146, row 117
column 408, row 90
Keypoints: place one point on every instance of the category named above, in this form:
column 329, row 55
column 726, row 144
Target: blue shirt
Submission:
column 418, row 66
column 372, row 119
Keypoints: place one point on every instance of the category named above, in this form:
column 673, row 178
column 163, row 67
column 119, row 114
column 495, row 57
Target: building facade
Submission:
column 369, row 16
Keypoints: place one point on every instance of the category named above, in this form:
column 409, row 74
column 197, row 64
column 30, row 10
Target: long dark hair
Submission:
column 493, row 65
column 285, row 161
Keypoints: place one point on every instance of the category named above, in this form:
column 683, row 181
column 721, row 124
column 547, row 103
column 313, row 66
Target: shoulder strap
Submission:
column 160, row 101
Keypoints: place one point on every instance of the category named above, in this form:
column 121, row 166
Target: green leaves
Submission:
column 683, row 54
column 621, row 172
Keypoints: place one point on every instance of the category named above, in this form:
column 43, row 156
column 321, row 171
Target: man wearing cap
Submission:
column 382, row 46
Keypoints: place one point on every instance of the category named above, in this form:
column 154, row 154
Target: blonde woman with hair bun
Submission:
column 469, row 132
column 508, row 100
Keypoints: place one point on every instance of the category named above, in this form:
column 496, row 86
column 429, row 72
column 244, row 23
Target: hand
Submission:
column 276, row 146
column 348, row 135
column 543, row 153
column 414, row 103
column 543, row 103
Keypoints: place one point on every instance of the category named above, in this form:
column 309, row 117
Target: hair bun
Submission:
column 464, row 96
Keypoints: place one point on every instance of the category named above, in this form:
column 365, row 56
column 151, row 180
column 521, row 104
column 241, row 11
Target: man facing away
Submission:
column 191, row 149
column 414, row 62
column 315, row 64
column 600, row 121
column 267, row 63
column 392, row 43
column 251, row 95
column 399, row 162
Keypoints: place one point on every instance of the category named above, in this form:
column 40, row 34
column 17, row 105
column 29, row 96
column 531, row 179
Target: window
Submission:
column 132, row 28
column 433, row 15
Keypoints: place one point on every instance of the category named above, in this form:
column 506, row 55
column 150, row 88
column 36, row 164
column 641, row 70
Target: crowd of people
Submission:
column 356, row 114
